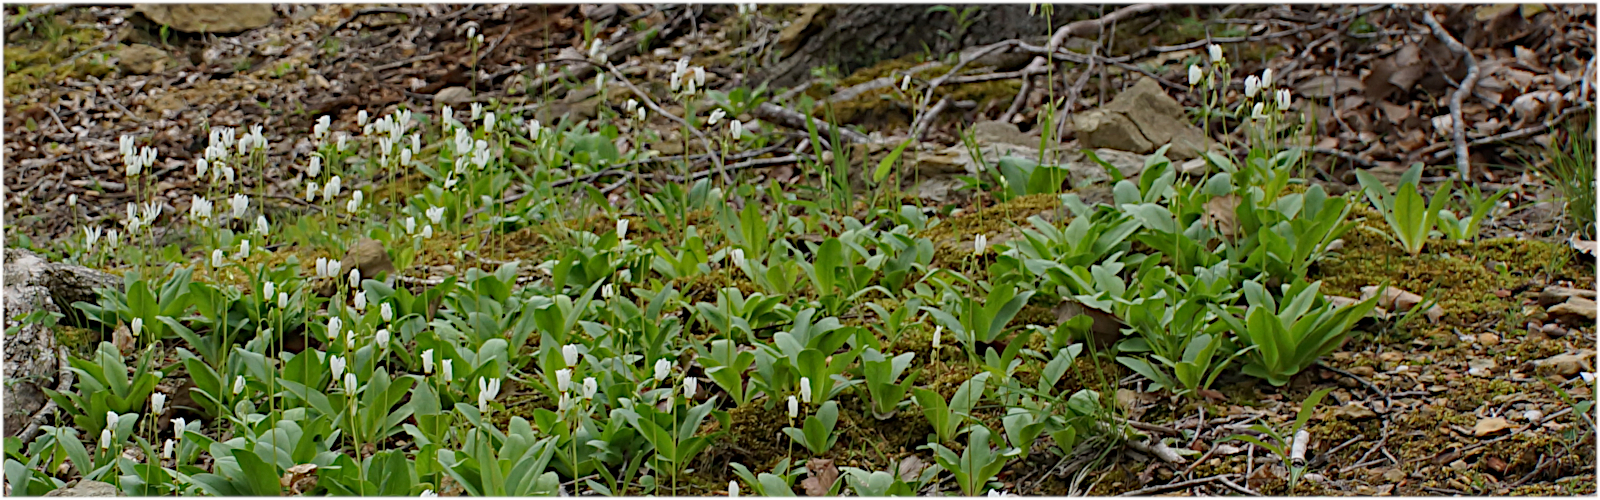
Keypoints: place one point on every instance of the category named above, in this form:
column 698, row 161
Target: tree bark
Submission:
column 851, row 37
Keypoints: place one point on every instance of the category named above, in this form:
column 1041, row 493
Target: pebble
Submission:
column 1533, row 415
column 1488, row 339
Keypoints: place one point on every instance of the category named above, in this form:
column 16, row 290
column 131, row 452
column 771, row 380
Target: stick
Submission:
column 1387, row 403
column 1238, row 488
column 1524, row 132
column 793, row 119
column 47, row 10
column 1173, row 486
column 1016, row 102
column 927, row 119
column 1457, row 123
column 704, row 141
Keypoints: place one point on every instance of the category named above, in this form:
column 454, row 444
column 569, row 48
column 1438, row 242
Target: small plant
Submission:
column 1568, row 166
column 818, row 435
column 1477, row 205
column 977, row 464
column 1289, row 335
column 946, row 418
column 1411, row 219
column 881, row 373
column 1288, row 446
column 982, row 321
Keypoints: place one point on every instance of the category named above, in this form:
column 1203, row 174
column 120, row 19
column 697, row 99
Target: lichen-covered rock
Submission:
column 209, row 18
column 141, row 59
column 86, row 489
column 34, row 284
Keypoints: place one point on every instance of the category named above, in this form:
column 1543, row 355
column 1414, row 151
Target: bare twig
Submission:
column 1238, row 488
column 1016, row 102
column 1536, row 470
column 48, row 10
column 644, row 97
column 364, row 12
column 1522, row 132
column 1174, row 486
column 1088, row 25
column 793, row 119
column 1458, row 125
column 1387, row 403
column 403, row 62
column 927, row 119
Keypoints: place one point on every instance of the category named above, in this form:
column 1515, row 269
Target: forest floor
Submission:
column 1480, row 395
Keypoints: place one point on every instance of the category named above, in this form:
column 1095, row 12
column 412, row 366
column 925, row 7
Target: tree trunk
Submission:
column 852, row 37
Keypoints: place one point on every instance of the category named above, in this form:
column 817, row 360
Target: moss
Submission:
column 32, row 61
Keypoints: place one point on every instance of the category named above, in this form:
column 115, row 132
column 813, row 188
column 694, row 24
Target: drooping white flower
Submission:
column 979, row 244
column 716, row 115
column 315, row 169
column 238, row 384
column 435, row 213
column 738, row 257
column 446, row 368
column 350, row 383
column 386, row 312
column 1251, row 85
column 283, row 300
column 1266, row 78
column 1255, row 111
column 244, row 250
column 331, row 190
column 361, row 300
column 166, row 450
column 805, row 389
column 217, row 258
column 690, row 385
column 622, row 229
column 335, row 327
column 382, row 337
column 427, row 362
column 607, row 291
column 337, row 365
column 1216, row 53
column 158, row 403
column 262, row 228
column 569, row 353
column 355, row 278
column 595, row 53
column 736, row 128
column 937, row 331
column 411, row 225
column 268, row 289
column 642, row 114
column 794, row 407
column 361, row 117
column 477, row 111
column 1195, row 75
column 138, row 326
column 405, row 156
column 429, row 492
column 201, row 166
column 733, row 489
column 322, row 267
column 589, row 387
column 111, row 419
column 311, row 191
column 105, row 438
column 663, row 368
column 905, row 83
column 564, row 379
column 354, row 205
column 487, row 390
column 427, row 231
column 1284, row 99
column 90, row 236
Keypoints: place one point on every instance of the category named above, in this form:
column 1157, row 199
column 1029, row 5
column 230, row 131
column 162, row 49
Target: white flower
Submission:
column 663, row 368
column 622, row 229
column 589, row 387
column 565, row 403
column 690, row 385
column 138, row 326
column 268, row 289
column 322, row 267
column 217, row 258
column 111, row 419
column 331, row 190
column 630, row 106
column 979, row 244
column 361, row 300
column 699, row 76
column 1588, row 377
column 158, row 403
column 434, row 213
column 488, row 122
column 244, row 249
column 427, row 362
column 594, row 51
column 541, row 69
column 201, row 166
column 333, row 268
column 608, row 291
column 738, row 257
column 937, row 331
column 569, row 353
column 427, row 231
column 1284, row 98
column 385, row 311
column 905, row 83
column 315, row 169
column 166, row 450
column 283, row 300
column 262, row 228
column 238, row 384
column 1195, row 75
column 1255, row 112
column 805, row 389
column 447, row 115
column 311, row 191
column 736, row 128
column 356, row 198
column 487, row 390
column 599, row 82
column 625, row 275
column 411, row 225
column 716, row 115
column 429, row 492
column 90, row 236
column 477, row 110
column 113, row 238
column 105, row 438
column 335, row 326
column 1251, row 85
column 341, row 143
column 321, row 128
column 642, row 114
column 564, row 379
column 446, row 369
column 794, row 407
column 533, row 130
column 1266, row 78
column 733, row 486
column 405, row 156
column 349, row 383
column 361, row 117
column 337, row 365
column 178, row 426
column 1216, row 53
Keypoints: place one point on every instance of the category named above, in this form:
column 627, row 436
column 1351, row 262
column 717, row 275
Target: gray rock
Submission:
column 1575, row 312
column 209, row 18
column 1083, row 171
column 452, row 96
column 86, row 489
column 1108, row 129
column 996, row 132
column 33, row 284
column 141, row 59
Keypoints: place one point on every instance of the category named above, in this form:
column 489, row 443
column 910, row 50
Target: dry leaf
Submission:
column 1585, row 246
column 1490, row 427
column 299, row 479
column 822, row 476
column 1222, row 212
column 1326, row 85
column 910, row 468
column 123, row 339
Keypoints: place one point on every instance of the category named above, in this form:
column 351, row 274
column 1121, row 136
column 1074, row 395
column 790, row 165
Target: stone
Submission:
column 209, row 18
column 452, row 96
column 86, row 489
column 141, row 59
column 1353, row 411
column 1083, row 171
column 1490, row 426
column 1552, row 295
column 34, row 284
column 1488, row 339
column 996, row 132
column 370, row 257
column 1576, row 311
column 1141, row 119
column 1565, row 365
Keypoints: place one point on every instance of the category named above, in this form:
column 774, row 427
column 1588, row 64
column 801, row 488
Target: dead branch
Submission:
column 643, row 97
column 1016, row 102
column 793, row 119
column 1522, row 132
column 1458, row 125
column 927, row 119
column 48, row 10
column 1174, row 486
column 1085, row 26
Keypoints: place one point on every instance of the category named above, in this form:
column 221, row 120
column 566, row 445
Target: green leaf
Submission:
column 883, row 166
